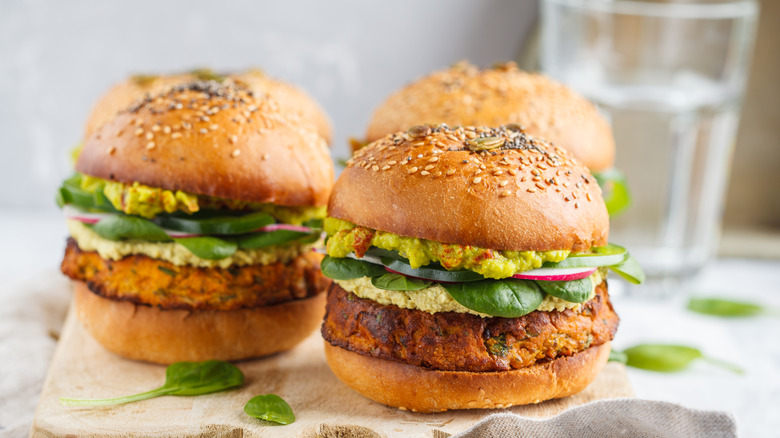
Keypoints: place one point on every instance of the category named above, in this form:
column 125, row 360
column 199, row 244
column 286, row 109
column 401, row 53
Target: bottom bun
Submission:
column 165, row 336
column 418, row 389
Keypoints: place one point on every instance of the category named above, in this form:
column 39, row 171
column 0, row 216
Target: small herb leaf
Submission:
column 722, row 307
column 181, row 378
column 270, row 407
column 398, row 282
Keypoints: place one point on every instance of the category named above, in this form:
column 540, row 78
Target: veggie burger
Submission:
column 193, row 215
column 467, row 95
column 469, row 269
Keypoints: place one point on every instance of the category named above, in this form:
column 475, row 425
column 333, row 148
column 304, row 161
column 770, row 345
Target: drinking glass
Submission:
column 670, row 77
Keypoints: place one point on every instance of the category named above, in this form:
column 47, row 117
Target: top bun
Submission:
column 495, row 188
column 293, row 101
column 215, row 139
column 465, row 95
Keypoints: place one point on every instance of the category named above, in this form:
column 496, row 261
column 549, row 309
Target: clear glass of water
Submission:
column 670, row 76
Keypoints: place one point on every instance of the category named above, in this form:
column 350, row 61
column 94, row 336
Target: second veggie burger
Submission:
column 469, row 269
column 192, row 220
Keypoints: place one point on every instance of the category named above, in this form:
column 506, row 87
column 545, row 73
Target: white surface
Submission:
column 33, row 247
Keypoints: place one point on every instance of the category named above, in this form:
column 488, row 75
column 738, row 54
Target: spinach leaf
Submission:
column 348, row 269
column 391, row 281
column 669, row 358
column 509, row 298
column 575, row 291
column 71, row 193
column 208, row 247
column 630, row 270
column 181, row 378
column 261, row 240
column 120, row 227
column 726, row 308
column 270, row 407
column 222, row 224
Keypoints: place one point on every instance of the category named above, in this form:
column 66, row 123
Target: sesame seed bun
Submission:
column 420, row 389
column 215, row 139
column 446, row 185
column 157, row 335
column 465, row 95
column 292, row 101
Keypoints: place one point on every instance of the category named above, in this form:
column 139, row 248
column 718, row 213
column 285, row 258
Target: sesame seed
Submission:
column 111, row 150
column 429, row 167
column 535, row 172
column 587, row 195
column 531, row 190
column 477, row 180
column 392, row 162
column 437, row 173
column 214, row 127
column 503, row 183
column 413, row 169
column 374, row 167
column 450, row 171
column 385, row 167
column 186, row 125
column 433, row 159
column 236, row 152
column 264, row 157
column 505, row 193
column 536, row 178
column 150, row 145
column 203, row 130
column 233, row 138
column 498, row 172
column 419, row 155
column 139, row 122
column 155, row 128
column 566, row 184
column 166, row 129
column 576, row 205
column 512, row 172
column 482, row 166
column 425, row 172
column 149, row 136
column 541, row 186
column 524, row 179
column 176, row 135
column 566, row 198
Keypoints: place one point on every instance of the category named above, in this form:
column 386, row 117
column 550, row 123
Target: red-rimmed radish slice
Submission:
column 75, row 214
column 179, row 234
column 286, row 227
column 556, row 274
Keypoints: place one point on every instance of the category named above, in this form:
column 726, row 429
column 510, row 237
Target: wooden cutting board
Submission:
column 323, row 406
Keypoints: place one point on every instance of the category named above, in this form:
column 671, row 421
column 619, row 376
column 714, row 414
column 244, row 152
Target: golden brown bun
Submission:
column 419, row 389
column 166, row 336
column 292, row 100
column 215, row 139
column 416, row 184
column 465, row 95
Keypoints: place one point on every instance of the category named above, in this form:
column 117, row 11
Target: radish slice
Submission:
column 556, row 274
column 287, row 227
column 83, row 216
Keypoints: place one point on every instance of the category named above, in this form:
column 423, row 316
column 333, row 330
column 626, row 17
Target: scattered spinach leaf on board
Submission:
column 617, row 356
column 270, row 407
column 727, row 308
column 181, row 378
column 668, row 358
column 391, row 281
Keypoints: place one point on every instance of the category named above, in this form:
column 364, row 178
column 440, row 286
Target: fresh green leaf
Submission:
column 348, row 269
column 71, row 193
column 630, row 270
column 264, row 239
column 270, row 407
column 120, row 227
column 208, row 247
column 508, row 298
column 575, row 291
column 669, row 358
column 615, row 191
column 181, row 378
column 223, row 224
column 391, row 281
column 723, row 307
column 617, row 356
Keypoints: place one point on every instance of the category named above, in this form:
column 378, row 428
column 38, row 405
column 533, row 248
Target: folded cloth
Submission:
column 611, row 418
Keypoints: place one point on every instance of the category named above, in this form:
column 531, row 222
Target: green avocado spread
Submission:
column 142, row 200
column 345, row 237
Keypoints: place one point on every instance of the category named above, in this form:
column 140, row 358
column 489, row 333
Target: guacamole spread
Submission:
column 345, row 237
column 145, row 201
